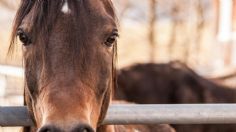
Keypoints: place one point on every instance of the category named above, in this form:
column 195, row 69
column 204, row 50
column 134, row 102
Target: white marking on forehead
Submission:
column 65, row 8
column 135, row 130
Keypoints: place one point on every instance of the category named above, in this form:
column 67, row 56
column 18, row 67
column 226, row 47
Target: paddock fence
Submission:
column 133, row 113
column 143, row 114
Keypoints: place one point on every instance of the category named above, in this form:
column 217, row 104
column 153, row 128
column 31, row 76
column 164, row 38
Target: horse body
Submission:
column 173, row 83
column 69, row 53
column 137, row 128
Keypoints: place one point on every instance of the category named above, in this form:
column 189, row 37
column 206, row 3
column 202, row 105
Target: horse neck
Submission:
column 112, row 128
column 106, row 128
column 116, row 128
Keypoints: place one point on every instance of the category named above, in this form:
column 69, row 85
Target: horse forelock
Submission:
column 45, row 13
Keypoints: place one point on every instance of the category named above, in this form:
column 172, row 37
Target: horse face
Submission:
column 68, row 49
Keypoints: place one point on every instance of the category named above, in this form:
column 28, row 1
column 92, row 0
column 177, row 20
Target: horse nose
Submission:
column 79, row 128
column 83, row 128
column 49, row 128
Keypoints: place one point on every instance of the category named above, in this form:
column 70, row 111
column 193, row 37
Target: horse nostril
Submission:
column 83, row 128
column 49, row 128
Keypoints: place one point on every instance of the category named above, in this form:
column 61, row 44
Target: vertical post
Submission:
column 234, row 15
column 225, row 28
column 2, row 85
column 234, row 33
column 225, row 21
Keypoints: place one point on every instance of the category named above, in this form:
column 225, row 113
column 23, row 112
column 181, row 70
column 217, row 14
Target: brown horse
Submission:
column 69, row 50
column 173, row 83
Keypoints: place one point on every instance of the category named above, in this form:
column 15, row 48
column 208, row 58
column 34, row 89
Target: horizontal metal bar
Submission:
column 14, row 116
column 11, row 71
column 143, row 114
column 172, row 114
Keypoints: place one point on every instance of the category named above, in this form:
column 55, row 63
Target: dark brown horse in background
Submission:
column 173, row 83
column 69, row 50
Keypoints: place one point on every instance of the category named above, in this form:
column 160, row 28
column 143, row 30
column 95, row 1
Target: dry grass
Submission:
column 10, row 129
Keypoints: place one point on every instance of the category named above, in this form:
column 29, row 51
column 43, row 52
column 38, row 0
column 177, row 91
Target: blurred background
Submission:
column 199, row 33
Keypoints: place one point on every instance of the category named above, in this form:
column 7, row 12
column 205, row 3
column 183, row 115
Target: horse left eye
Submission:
column 112, row 39
column 24, row 38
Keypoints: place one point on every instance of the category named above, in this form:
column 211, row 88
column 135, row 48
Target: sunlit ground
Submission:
column 10, row 129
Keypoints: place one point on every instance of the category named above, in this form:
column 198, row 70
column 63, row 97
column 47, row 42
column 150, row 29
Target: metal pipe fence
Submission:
column 143, row 114
column 11, row 71
column 133, row 113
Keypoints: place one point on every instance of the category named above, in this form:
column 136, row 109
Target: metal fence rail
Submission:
column 143, row 114
column 11, row 71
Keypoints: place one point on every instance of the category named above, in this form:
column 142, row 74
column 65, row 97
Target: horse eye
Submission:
column 111, row 39
column 24, row 38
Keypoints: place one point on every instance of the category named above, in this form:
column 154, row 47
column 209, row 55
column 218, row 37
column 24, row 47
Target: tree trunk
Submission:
column 125, row 6
column 175, row 24
column 199, row 28
column 152, row 35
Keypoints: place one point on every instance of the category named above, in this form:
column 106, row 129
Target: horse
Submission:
column 69, row 56
column 173, row 83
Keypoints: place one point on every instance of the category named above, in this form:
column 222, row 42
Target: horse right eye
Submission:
column 24, row 38
column 111, row 39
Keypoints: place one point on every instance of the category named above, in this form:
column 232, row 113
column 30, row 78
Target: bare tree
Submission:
column 216, row 5
column 125, row 6
column 234, row 15
column 176, row 22
column 199, row 27
column 152, row 24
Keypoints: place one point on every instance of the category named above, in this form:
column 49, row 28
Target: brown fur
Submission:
column 69, row 71
column 173, row 83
